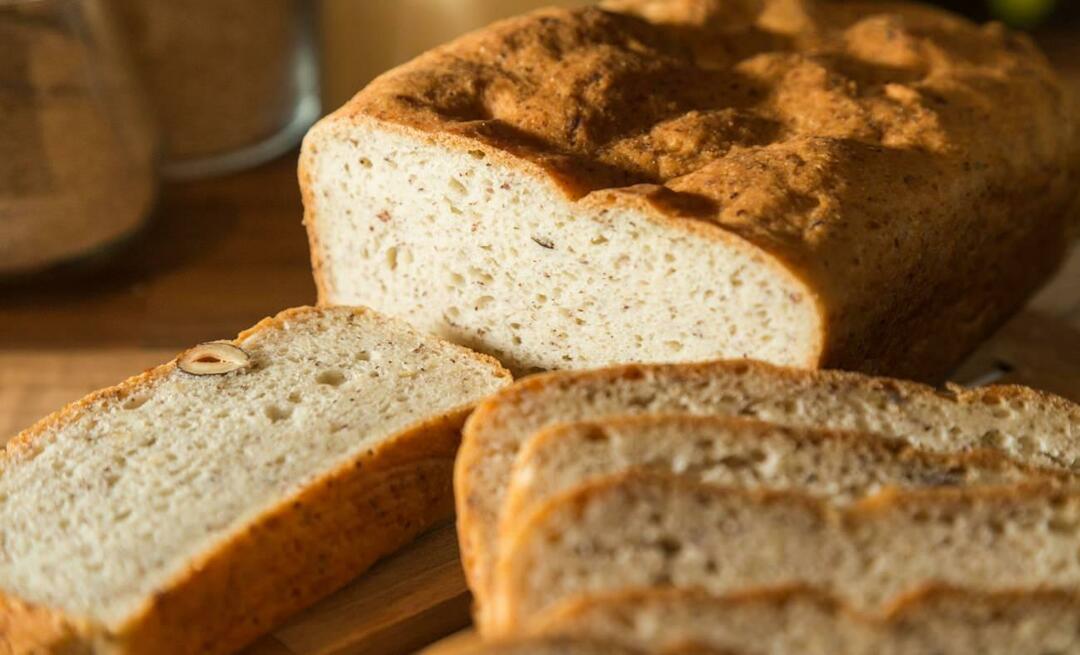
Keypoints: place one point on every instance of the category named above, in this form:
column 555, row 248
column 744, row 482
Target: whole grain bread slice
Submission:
column 188, row 509
column 804, row 621
column 1031, row 426
column 639, row 530
column 839, row 465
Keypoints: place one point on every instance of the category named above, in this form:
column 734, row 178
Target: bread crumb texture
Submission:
column 186, row 513
column 1032, row 428
column 636, row 531
column 902, row 178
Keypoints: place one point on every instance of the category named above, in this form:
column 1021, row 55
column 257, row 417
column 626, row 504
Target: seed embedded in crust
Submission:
column 213, row 358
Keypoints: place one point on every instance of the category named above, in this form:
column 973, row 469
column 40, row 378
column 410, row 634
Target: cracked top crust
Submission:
column 858, row 142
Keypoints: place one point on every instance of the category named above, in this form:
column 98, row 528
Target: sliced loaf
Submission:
column 636, row 530
column 739, row 452
column 802, row 621
column 1028, row 425
column 188, row 509
column 844, row 185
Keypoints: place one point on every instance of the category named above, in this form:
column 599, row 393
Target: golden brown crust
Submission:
column 871, row 148
column 926, row 599
column 307, row 545
column 27, row 629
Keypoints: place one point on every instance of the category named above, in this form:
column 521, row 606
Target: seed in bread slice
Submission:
column 1030, row 426
column 738, row 452
column 638, row 530
column 186, row 512
column 805, row 621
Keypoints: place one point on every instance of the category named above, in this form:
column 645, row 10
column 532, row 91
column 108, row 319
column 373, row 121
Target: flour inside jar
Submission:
column 77, row 170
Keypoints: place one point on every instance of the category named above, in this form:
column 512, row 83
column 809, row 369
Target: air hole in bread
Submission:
column 669, row 547
column 331, row 377
column 481, row 275
column 1062, row 525
column 275, row 413
column 993, row 439
column 1026, row 445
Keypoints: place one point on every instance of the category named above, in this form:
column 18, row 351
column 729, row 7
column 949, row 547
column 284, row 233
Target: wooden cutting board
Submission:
column 418, row 596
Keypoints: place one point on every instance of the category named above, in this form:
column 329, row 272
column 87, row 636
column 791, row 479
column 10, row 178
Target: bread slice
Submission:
column 638, row 530
column 835, row 185
column 738, row 452
column 186, row 513
column 804, row 621
column 1031, row 426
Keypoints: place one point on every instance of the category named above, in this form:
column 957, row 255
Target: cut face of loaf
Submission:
column 840, row 466
column 1027, row 425
column 185, row 513
column 468, row 246
column 785, row 180
column 636, row 531
column 801, row 621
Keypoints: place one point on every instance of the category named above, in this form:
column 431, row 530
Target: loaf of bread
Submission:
column 639, row 530
column 851, row 185
column 736, row 452
column 190, row 508
column 802, row 621
column 1028, row 425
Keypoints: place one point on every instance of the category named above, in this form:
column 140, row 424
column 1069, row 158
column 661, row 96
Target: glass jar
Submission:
column 77, row 149
column 233, row 82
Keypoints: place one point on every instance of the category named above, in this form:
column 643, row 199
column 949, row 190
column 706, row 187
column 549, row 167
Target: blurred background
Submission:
column 148, row 195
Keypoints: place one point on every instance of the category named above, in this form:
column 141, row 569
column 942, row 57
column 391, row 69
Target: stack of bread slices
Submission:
column 742, row 507
column 857, row 185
